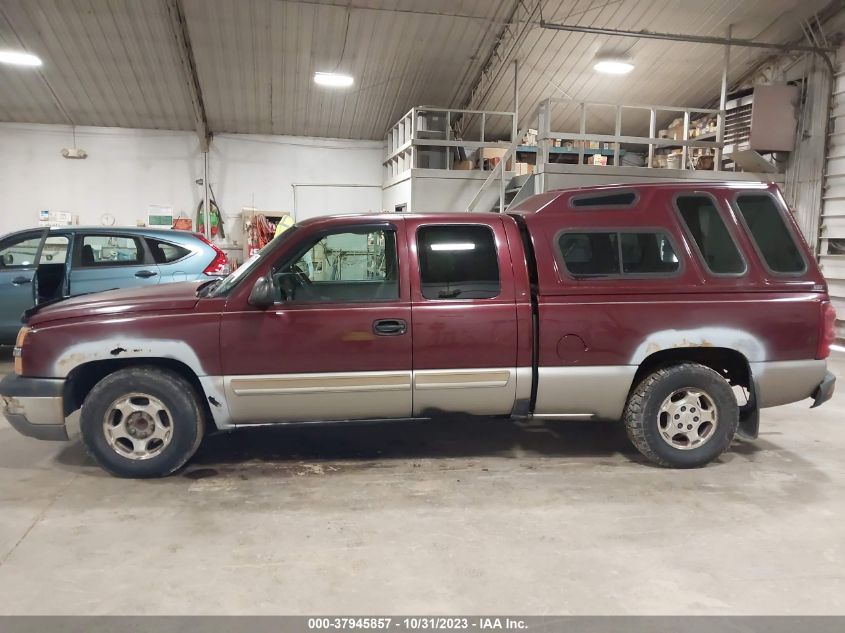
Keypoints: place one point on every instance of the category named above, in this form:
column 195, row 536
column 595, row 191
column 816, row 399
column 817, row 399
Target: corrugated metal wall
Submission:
column 832, row 230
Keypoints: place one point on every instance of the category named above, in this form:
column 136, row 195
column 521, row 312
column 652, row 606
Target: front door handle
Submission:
column 20, row 281
column 143, row 274
column 390, row 327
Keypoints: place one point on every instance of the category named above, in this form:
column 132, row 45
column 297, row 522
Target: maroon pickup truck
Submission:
column 681, row 309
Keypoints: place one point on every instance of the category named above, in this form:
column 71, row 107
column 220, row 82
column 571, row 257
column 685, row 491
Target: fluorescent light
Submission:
column 333, row 79
column 837, row 348
column 453, row 246
column 613, row 66
column 19, row 58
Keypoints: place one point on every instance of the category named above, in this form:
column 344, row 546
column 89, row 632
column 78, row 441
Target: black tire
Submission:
column 186, row 421
column 643, row 418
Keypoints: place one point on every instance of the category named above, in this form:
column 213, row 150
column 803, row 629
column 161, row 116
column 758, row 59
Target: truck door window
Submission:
column 458, row 261
column 770, row 233
column 707, row 229
column 341, row 267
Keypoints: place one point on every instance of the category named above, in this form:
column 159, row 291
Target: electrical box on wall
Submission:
column 763, row 121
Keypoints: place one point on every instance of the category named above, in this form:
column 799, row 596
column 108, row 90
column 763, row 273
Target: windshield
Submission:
column 225, row 286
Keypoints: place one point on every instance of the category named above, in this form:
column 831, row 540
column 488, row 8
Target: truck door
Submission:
column 464, row 317
column 337, row 343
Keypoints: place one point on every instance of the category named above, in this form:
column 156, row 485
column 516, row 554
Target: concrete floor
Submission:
column 459, row 517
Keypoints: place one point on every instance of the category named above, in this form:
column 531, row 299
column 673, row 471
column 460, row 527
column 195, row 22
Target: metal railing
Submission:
column 545, row 134
column 425, row 136
column 543, row 115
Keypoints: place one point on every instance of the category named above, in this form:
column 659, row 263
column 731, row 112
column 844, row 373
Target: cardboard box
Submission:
column 489, row 157
column 598, row 159
column 463, row 165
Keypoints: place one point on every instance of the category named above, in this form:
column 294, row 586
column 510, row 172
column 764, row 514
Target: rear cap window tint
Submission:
column 770, row 233
column 710, row 234
column 598, row 253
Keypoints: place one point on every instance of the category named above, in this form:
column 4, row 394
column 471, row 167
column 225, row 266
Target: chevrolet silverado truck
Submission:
column 679, row 309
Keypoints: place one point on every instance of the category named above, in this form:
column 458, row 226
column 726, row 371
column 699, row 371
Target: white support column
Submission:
column 652, row 133
column 205, row 203
column 723, row 100
column 616, row 145
column 582, row 129
column 542, row 159
column 515, row 121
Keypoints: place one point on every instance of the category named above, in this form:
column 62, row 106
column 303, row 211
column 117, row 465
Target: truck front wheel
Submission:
column 142, row 422
column 682, row 416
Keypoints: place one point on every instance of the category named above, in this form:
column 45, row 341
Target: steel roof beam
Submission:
column 179, row 26
column 676, row 37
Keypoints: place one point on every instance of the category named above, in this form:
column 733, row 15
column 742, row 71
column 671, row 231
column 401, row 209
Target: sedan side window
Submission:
column 341, row 267
column 165, row 252
column 20, row 252
column 54, row 251
column 110, row 250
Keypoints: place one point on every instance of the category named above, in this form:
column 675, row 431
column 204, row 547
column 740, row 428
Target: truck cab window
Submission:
column 458, row 261
column 341, row 267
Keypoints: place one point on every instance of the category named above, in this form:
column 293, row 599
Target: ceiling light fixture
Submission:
column 613, row 65
column 333, row 80
column 19, row 58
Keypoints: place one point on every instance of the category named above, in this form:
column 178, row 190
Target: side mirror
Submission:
column 261, row 295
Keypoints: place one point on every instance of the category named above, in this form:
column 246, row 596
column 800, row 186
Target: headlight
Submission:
column 18, row 351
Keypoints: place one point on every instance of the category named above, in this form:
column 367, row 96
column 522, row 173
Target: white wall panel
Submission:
column 128, row 170
column 832, row 229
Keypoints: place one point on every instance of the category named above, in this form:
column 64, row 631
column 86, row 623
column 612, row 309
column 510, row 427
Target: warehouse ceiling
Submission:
column 122, row 62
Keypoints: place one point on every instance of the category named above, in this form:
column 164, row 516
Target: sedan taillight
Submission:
column 220, row 264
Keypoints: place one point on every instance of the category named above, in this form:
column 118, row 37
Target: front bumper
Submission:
column 824, row 391
column 34, row 406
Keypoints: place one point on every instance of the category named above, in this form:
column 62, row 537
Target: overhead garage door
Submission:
column 832, row 235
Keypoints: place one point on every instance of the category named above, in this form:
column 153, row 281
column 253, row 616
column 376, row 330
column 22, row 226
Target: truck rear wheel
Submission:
column 142, row 422
column 682, row 416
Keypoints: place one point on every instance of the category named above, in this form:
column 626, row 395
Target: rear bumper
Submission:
column 824, row 391
column 34, row 406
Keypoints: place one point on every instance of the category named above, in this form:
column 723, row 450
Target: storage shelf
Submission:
column 703, row 137
column 532, row 149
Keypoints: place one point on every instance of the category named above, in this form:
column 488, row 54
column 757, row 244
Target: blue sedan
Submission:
column 42, row 264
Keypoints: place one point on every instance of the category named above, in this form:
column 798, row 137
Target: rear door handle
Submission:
column 143, row 274
column 20, row 281
column 390, row 327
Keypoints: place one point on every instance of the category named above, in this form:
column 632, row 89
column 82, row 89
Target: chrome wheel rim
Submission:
column 687, row 419
column 138, row 426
